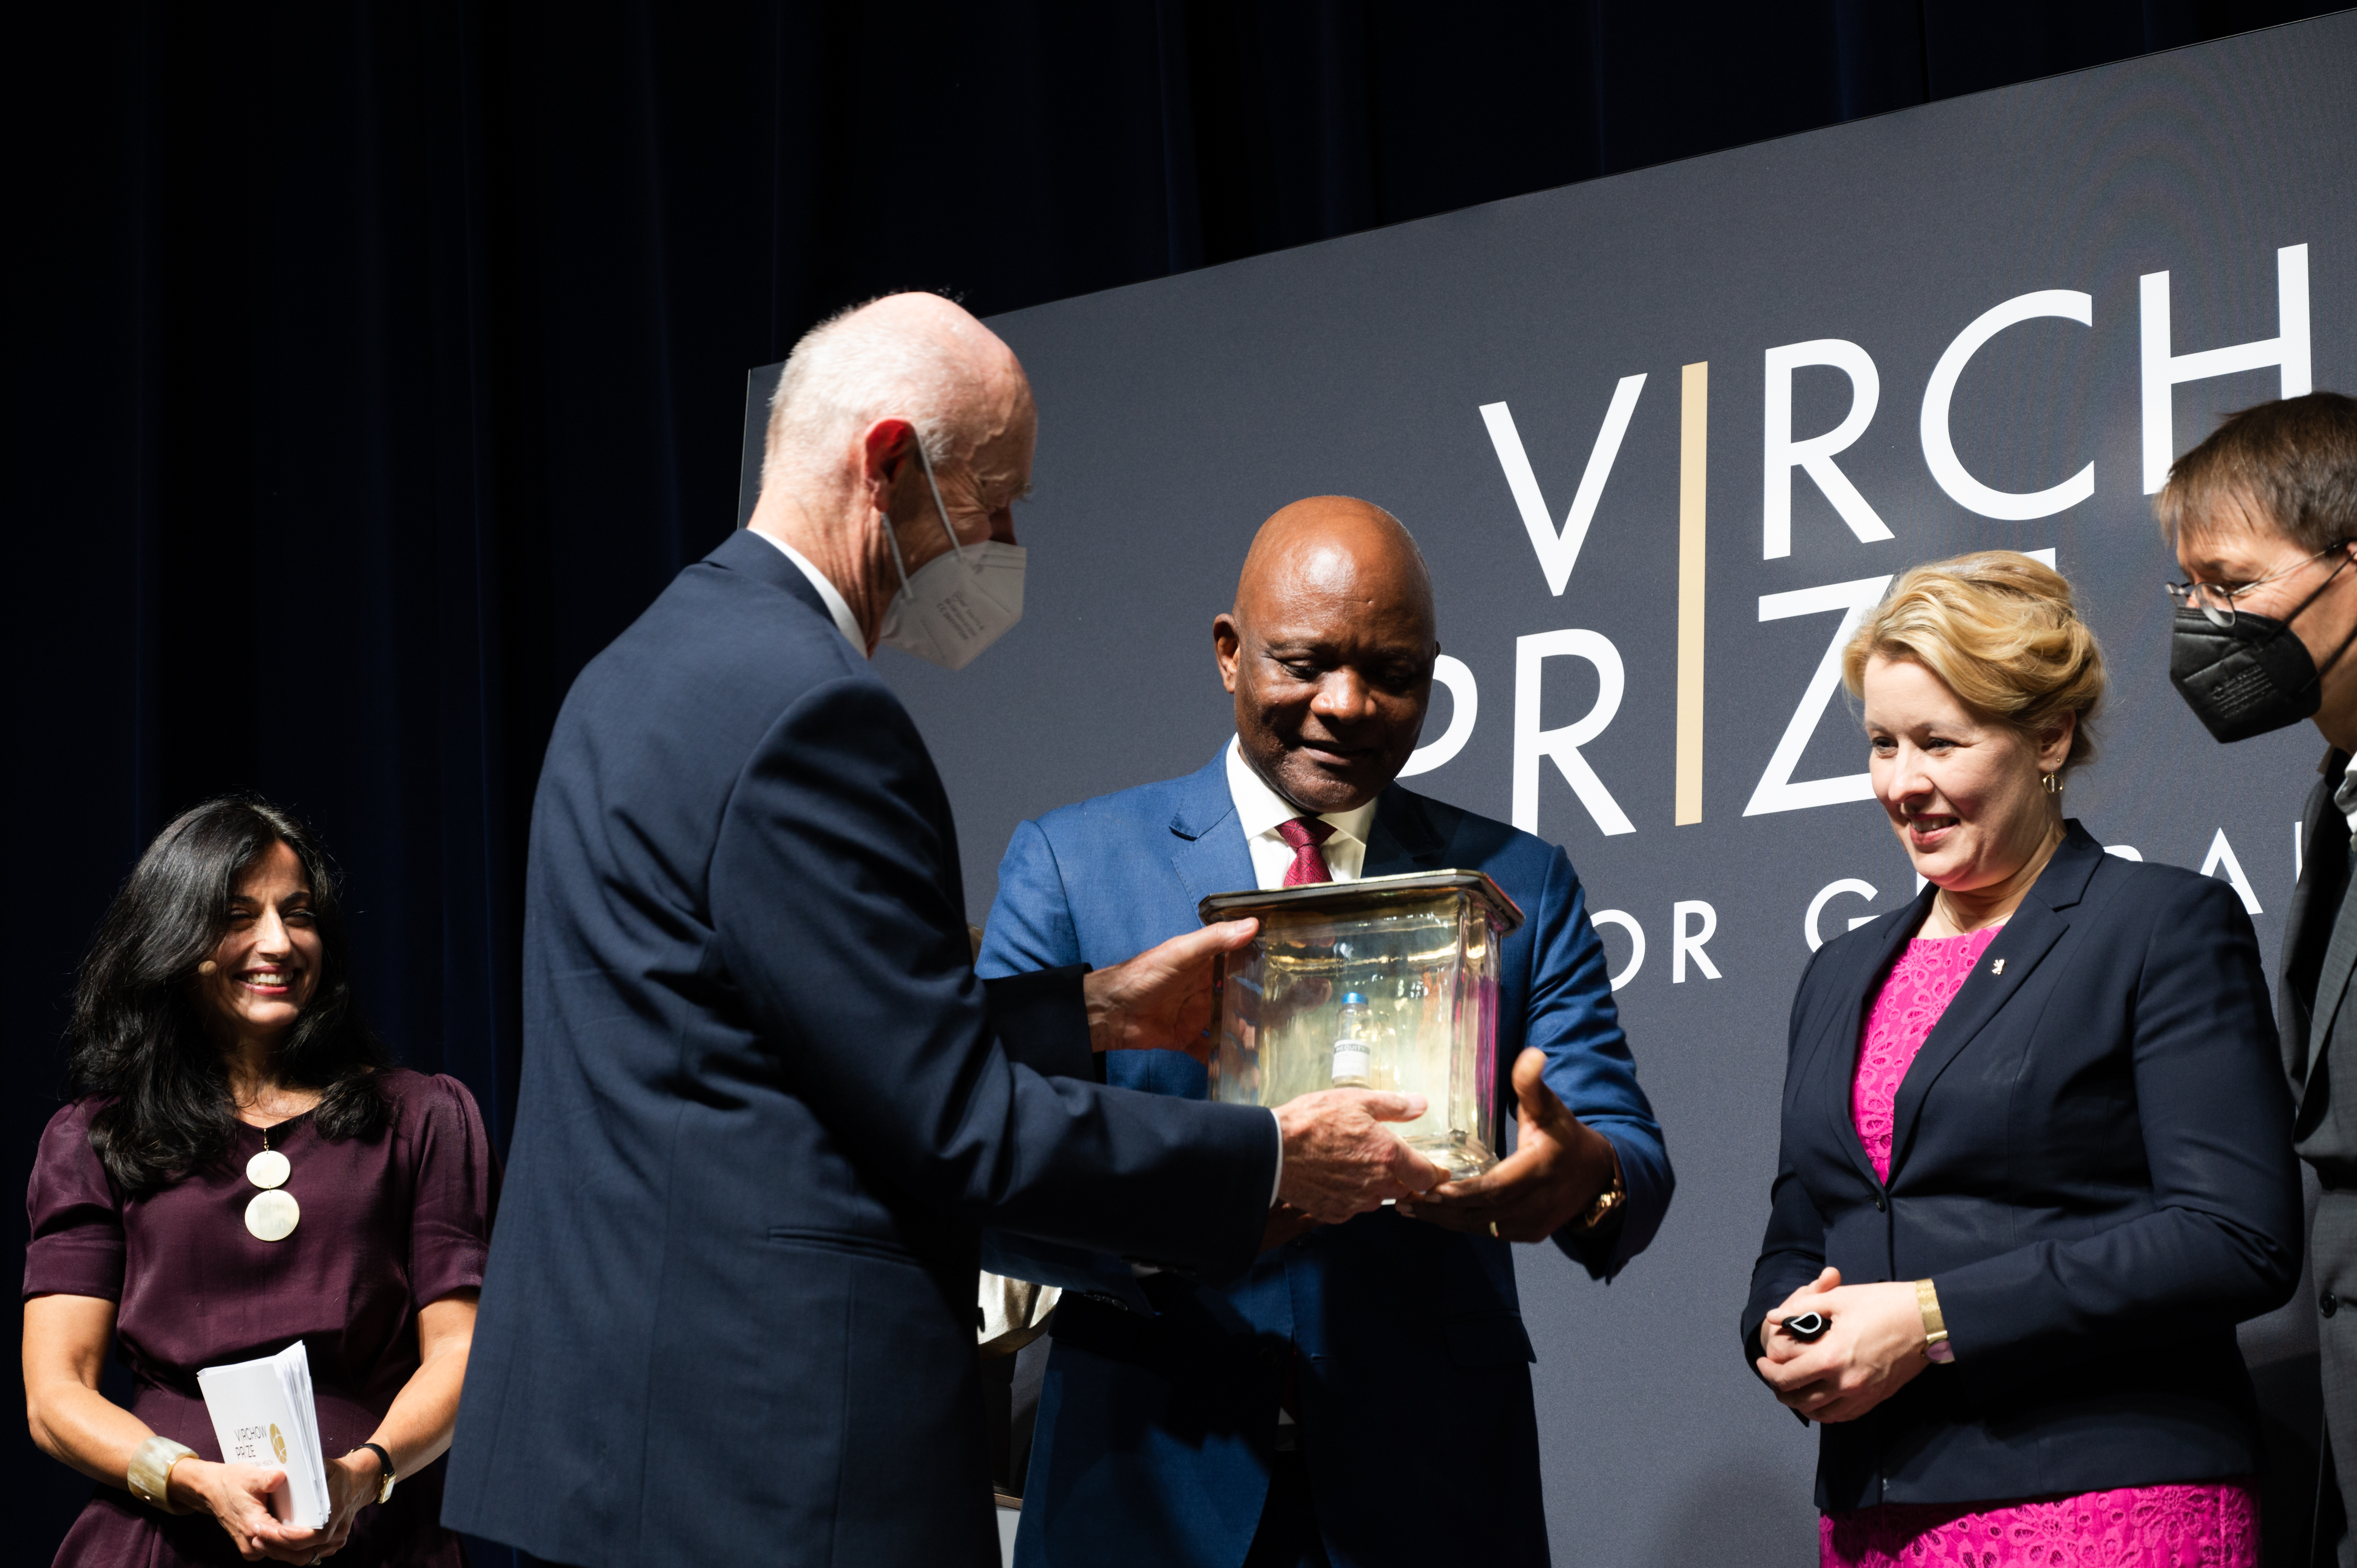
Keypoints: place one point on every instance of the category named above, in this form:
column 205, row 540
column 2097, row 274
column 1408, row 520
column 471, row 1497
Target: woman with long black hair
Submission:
column 243, row 1167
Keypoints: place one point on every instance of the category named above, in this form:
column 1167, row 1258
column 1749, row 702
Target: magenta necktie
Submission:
column 1304, row 834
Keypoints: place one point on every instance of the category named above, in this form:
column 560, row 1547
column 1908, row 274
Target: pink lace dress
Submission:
column 2213, row 1524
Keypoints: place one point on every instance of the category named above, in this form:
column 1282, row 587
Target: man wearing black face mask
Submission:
column 2263, row 514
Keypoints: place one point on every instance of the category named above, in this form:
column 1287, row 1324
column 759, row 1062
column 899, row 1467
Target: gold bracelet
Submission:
column 150, row 1477
column 1935, row 1326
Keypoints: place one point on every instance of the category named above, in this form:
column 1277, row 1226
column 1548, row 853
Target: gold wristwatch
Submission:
column 1611, row 1198
column 1935, row 1327
column 384, row 1464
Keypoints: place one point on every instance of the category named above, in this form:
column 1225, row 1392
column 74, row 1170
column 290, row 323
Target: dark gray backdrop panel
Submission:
column 1177, row 414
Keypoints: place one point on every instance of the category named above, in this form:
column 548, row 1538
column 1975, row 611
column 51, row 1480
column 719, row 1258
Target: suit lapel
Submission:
column 1837, row 1045
column 1207, row 842
column 1402, row 840
column 1208, row 847
column 2040, row 922
column 2332, row 985
column 2316, row 919
column 2315, row 833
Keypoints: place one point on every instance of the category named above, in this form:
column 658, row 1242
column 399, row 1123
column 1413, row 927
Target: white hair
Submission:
column 857, row 367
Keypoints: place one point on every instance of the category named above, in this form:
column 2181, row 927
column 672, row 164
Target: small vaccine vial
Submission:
column 1354, row 1043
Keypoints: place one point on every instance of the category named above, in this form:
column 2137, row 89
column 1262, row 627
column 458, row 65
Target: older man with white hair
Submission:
column 766, row 1108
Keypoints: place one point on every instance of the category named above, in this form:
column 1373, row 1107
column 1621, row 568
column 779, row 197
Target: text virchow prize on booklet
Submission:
column 263, row 1414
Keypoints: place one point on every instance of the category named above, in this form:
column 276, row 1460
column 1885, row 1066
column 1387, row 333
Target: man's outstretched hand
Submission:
column 1558, row 1166
column 1163, row 999
column 1340, row 1159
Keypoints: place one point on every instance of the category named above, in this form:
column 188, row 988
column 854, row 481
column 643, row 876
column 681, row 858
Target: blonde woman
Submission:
column 2036, row 1158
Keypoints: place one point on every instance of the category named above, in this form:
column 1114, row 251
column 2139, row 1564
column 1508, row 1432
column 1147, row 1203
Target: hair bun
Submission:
column 1999, row 629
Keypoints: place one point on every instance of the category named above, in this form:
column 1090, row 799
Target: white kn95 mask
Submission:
column 956, row 604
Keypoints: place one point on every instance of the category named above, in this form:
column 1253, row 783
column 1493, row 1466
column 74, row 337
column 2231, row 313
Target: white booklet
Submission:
column 263, row 1414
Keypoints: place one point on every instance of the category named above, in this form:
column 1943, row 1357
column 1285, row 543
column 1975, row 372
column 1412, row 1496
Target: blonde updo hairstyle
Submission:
column 2000, row 632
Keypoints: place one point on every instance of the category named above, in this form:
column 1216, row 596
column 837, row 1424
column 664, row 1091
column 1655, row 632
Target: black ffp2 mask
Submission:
column 2251, row 677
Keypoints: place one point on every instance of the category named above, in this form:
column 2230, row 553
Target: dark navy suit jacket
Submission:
column 2090, row 1160
column 730, row 1311
column 1155, row 1432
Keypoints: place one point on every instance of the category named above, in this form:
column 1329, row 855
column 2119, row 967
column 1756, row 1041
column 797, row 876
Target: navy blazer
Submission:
column 2091, row 1159
column 729, row 1312
column 1155, row 1432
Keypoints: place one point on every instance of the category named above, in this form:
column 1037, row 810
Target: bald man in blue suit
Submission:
column 1263, row 1419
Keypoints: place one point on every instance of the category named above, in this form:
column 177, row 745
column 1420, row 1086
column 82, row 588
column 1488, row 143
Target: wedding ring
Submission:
column 1494, row 1231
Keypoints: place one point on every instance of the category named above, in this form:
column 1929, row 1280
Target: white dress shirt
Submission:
column 2344, row 797
column 1261, row 811
column 836, row 605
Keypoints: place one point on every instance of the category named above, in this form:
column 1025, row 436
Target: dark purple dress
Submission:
column 388, row 1225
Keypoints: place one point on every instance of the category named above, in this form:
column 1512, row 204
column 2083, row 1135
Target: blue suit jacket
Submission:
column 2091, row 1162
column 729, row 1312
column 1155, row 1431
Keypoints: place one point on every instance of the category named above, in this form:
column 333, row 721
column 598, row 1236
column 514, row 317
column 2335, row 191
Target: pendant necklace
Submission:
column 272, row 1213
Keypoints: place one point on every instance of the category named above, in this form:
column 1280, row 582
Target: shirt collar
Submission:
column 836, row 605
column 1260, row 809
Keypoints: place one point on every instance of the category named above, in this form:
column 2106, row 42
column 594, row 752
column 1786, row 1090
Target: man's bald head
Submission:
column 1335, row 543
column 866, row 396
column 916, row 356
column 1329, row 651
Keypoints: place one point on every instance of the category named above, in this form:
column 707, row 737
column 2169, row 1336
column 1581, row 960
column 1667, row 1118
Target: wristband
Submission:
column 150, row 1476
column 1935, row 1327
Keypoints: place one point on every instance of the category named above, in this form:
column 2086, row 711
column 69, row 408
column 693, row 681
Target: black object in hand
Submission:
column 1807, row 1327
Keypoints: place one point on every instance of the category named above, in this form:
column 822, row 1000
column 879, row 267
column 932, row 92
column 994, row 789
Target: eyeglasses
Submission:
column 2217, row 602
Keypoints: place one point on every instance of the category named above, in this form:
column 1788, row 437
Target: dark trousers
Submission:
column 2332, row 1250
column 1287, row 1536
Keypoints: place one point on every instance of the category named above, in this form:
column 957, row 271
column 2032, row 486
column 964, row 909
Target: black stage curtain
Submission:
column 371, row 365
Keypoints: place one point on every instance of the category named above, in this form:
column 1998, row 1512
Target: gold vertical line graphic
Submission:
column 1694, row 473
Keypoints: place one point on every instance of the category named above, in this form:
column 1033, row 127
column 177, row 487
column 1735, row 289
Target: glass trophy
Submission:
column 1387, row 984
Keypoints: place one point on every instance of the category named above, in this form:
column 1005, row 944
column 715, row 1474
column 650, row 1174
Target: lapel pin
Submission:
column 1998, row 968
